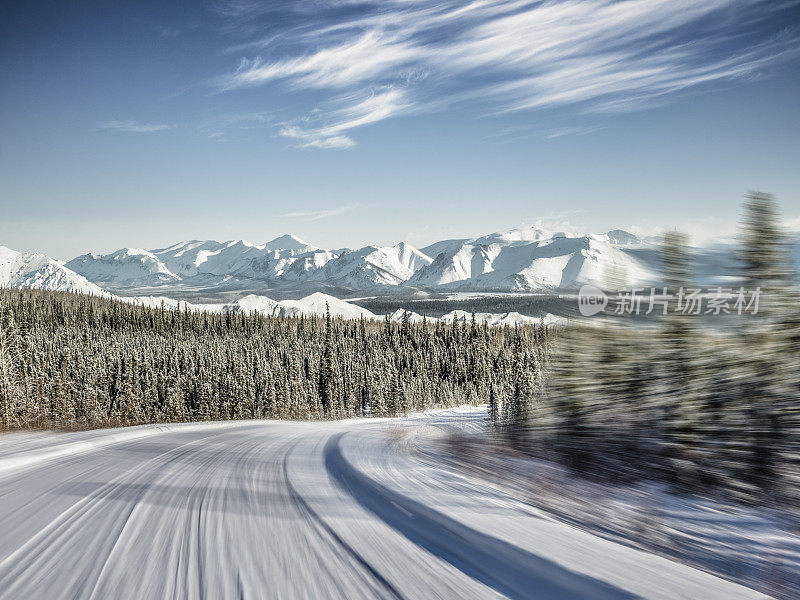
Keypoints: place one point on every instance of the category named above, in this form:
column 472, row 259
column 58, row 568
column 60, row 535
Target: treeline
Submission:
column 699, row 407
column 77, row 361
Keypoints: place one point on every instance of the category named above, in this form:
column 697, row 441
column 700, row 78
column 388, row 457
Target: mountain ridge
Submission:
column 38, row 271
column 529, row 258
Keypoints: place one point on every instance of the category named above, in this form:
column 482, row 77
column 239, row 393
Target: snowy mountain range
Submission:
column 528, row 259
column 241, row 276
column 525, row 259
column 37, row 271
column 282, row 262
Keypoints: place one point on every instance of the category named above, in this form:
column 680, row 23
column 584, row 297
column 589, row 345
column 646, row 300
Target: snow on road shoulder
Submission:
column 490, row 511
column 755, row 547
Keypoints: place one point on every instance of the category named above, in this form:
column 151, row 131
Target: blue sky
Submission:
column 346, row 123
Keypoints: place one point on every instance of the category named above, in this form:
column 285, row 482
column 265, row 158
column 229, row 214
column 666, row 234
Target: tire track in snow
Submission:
column 47, row 546
column 509, row 570
column 389, row 590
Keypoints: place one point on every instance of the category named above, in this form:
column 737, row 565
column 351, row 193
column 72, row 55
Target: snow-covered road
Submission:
column 291, row 510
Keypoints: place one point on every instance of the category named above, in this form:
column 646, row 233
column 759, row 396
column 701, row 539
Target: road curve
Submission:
column 290, row 510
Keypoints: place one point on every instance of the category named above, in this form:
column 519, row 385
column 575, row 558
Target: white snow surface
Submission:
column 500, row 319
column 373, row 265
column 218, row 260
column 286, row 259
column 290, row 242
column 316, row 304
column 527, row 258
column 754, row 546
column 128, row 265
column 264, row 509
column 512, row 262
column 398, row 316
column 37, row 271
column 313, row 304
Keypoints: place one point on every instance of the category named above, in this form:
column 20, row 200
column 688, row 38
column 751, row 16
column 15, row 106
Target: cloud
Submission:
column 229, row 122
column 134, row 127
column 312, row 140
column 527, row 131
column 504, row 56
column 355, row 113
column 315, row 215
column 565, row 131
column 352, row 62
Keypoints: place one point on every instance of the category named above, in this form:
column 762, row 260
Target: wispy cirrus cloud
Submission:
column 311, row 133
column 315, row 215
column 367, row 57
column 215, row 127
column 537, row 130
column 133, row 126
column 222, row 125
column 506, row 56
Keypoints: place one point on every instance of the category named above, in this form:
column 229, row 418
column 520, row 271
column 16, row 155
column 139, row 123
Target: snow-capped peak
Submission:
column 123, row 253
column 242, row 243
column 290, row 242
column 126, row 266
column 37, row 271
column 526, row 258
column 525, row 234
column 411, row 258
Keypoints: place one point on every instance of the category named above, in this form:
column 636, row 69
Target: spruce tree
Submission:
column 766, row 401
column 326, row 370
